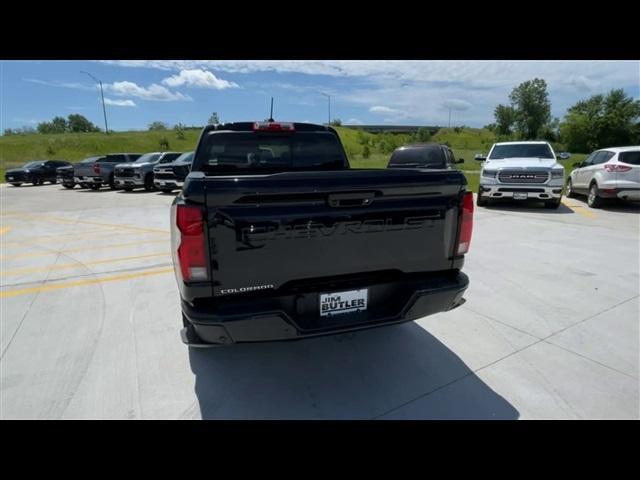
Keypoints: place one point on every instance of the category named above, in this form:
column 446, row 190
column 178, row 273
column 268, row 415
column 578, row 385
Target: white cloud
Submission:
column 152, row 92
column 457, row 104
column 198, row 78
column 119, row 103
column 384, row 110
column 354, row 121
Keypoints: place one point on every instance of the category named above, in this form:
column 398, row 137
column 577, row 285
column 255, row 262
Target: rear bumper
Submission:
column 296, row 315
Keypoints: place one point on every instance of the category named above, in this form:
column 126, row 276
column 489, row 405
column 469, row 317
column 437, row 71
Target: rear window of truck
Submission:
column 248, row 152
column 428, row 156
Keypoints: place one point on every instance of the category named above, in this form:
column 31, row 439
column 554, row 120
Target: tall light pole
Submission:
column 329, row 99
column 449, row 117
column 104, row 110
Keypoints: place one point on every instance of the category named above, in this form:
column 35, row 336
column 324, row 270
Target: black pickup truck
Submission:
column 275, row 237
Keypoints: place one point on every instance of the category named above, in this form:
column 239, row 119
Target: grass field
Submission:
column 16, row 150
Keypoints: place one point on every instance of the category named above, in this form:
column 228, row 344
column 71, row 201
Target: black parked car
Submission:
column 169, row 176
column 427, row 155
column 36, row 172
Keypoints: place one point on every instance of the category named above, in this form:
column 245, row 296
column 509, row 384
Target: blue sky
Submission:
column 368, row 92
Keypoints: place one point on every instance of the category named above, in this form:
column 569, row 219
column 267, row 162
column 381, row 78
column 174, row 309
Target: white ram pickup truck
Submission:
column 521, row 171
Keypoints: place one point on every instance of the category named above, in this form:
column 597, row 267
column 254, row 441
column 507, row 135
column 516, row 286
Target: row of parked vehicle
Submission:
column 163, row 171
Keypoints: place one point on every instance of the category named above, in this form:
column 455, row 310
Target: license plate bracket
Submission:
column 338, row 303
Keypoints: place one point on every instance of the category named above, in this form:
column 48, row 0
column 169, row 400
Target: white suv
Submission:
column 521, row 171
column 607, row 173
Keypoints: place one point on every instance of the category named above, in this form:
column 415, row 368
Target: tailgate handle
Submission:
column 351, row 199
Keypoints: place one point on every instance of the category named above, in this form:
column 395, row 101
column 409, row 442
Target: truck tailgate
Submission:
column 271, row 231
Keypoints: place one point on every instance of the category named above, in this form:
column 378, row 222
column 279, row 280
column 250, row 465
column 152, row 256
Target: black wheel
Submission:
column 112, row 183
column 480, row 200
column 593, row 199
column 148, row 183
column 83, row 185
column 166, row 190
column 53, row 182
column 127, row 189
column 16, row 184
column 569, row 190
column 68, row 186
column 36, row 182
column 552, row 204
column 95, row 187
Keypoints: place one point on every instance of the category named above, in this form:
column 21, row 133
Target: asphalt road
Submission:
column 90, row 325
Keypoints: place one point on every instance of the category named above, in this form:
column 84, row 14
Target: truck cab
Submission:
column 521, row 171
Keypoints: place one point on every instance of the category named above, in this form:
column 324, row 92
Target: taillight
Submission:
column 466, row 224
column 96, row 168
column 273, row 127
column 613, row 167
column 191, row 251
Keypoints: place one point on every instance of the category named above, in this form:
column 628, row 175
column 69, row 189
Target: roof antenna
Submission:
column 271, row 116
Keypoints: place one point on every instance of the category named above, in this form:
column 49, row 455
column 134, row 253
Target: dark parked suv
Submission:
column 36, row 172
column 169, row 176
column 427, row 155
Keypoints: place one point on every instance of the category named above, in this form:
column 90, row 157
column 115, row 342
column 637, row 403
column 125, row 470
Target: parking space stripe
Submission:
column 580, row 209
column 79, row 283
column 54, row 219
column 82, row 249
column 89, row 233
column 18, row 271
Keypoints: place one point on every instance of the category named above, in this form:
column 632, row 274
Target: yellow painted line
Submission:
column 82, row 249
column 66, row 221
column 81, row 283
column 580, row 209
column 17, row 271
column 90, row 233
column 4, row 230
column 54, row 219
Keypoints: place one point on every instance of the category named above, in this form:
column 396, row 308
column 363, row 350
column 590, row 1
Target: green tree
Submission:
column 336, row 122
column 157, row 126
column 505, row 118
column 530, row 101
column 422, row 135
column 78, row 123
column 213, row 119
column 57, row 125
column 602, row 121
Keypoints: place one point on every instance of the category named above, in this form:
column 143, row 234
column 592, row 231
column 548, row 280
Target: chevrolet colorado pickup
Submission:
column 521, row 171
column 275, row 237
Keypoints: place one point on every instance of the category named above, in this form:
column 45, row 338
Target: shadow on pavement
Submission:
column 360, row 375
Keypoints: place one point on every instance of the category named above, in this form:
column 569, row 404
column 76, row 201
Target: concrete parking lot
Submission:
column 90, row 322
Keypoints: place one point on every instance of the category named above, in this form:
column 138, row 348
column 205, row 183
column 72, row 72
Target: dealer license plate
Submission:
column 343, row 302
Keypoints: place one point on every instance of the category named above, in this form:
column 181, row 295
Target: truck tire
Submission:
column 480, row 200
column 127, row 189
column 112, row 183
column 67, row 186
column 83, row 185
column 166, row 190
column 16, row 184
column 593, row 199
column 569, row 190
column 148, row 183
column 95, row 187
column 54, row 181
column 552, row 204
